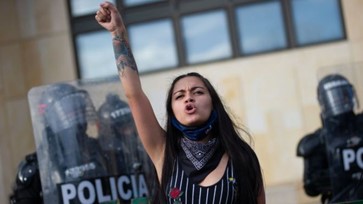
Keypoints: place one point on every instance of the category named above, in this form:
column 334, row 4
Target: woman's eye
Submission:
column 198, row 92
column 178, row 97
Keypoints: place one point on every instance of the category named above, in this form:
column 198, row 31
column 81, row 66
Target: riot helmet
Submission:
column 115, row 115
column 336, row 96
column 63, row 106
column 27, row 187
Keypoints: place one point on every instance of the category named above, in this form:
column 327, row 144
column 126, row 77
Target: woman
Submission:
column 200, row 157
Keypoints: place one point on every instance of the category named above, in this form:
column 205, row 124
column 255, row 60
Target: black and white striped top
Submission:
column 182, row 191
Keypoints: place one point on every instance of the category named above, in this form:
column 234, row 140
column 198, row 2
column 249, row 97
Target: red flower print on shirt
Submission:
column 175, row 194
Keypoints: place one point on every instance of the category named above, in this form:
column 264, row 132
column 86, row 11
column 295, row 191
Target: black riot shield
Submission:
column 87, row 145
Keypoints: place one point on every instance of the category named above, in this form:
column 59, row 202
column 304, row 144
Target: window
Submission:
column 317, row 21
column 260, row 27
column 153, row 45
column 170, row 34
column 138, row 2
column 206, row 41
column 84, row 7
column 95, row 55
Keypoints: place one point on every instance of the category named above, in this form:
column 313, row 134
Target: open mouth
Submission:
column 189, row 108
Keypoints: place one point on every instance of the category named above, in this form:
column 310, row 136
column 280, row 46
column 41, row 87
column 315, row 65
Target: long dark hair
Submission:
column 245, row 162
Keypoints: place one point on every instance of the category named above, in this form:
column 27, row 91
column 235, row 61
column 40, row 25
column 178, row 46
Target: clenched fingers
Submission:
column 103, row 15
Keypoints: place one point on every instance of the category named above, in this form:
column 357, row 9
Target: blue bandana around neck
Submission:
column 196, row 133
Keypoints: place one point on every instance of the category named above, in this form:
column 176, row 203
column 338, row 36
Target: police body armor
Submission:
column 344, row 143
column 316, row 176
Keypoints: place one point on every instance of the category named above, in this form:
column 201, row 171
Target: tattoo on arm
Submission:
column 123, row 55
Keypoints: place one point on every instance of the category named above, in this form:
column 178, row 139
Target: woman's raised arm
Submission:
column 149, row 130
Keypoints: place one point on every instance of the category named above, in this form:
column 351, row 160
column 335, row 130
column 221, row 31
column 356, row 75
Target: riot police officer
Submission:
column 66, row 150
column 120, row 143
column 67, row 112
column 27, row 187
column 333, row 155
column 118, row 137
